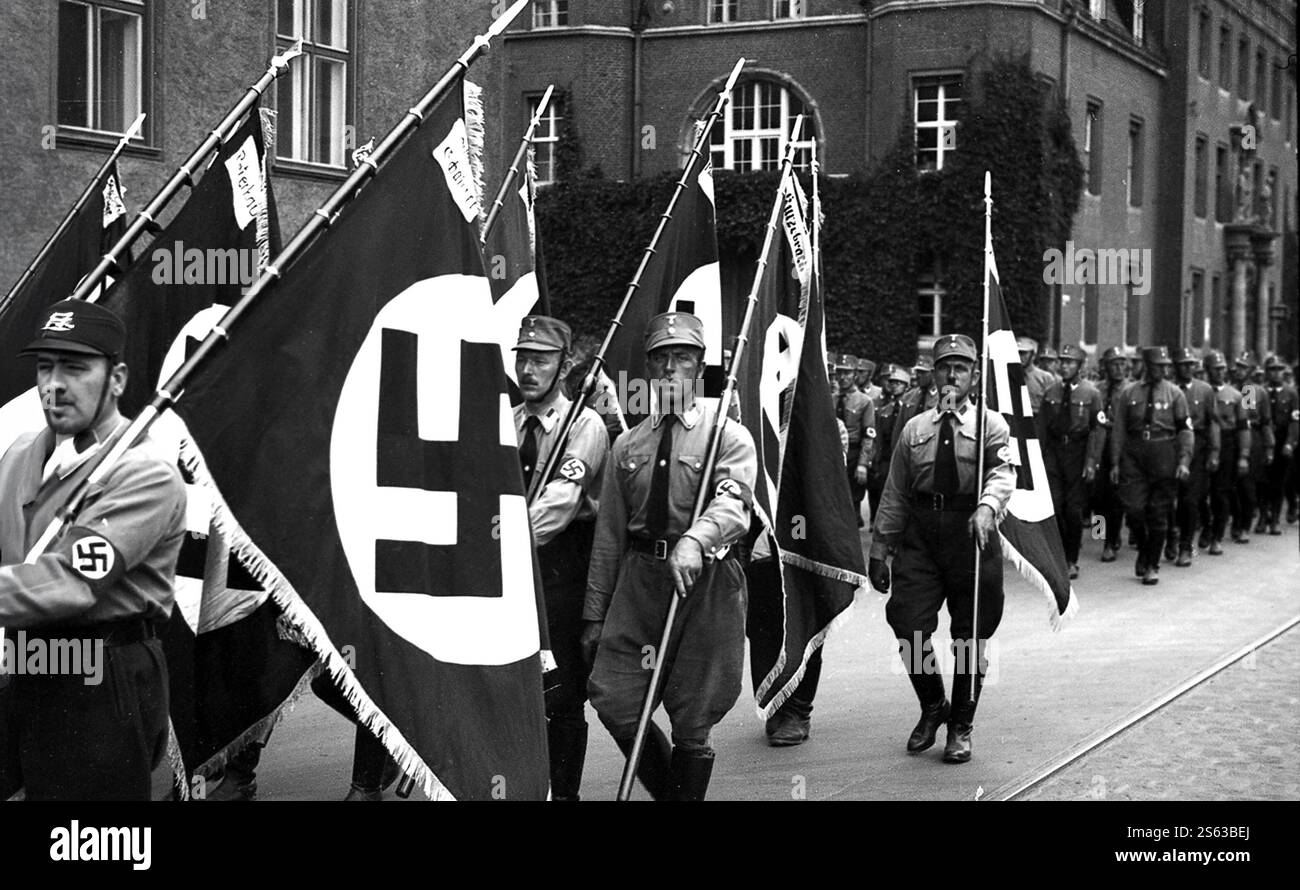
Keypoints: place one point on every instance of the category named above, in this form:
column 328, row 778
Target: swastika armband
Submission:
column 574, row 470
column 94, row 559
column 1295, row 415
column 734, row 488
column 1003, row 454
column 1187, row 423
column 1101, row 417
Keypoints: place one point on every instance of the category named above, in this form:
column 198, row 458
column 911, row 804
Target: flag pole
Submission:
column 147, row 219
column 979, row 415
column 513, row 172
column 711, row 458
column 320, row 220
column 598, row 361
column 76, row 208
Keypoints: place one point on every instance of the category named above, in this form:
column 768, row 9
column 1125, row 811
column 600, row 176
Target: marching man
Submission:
column 933, row 513
column 648, row 549
column 563, row 517
column 105, row 581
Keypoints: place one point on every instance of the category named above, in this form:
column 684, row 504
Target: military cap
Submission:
column 899, row 373
column 846, row 362
column 674, row 329
column 541, row 333
column 866, row 364
column 1025, row 344
column 954, row 344
column 78, row 326
column 1214, row 359
column 923, row 363
column 1183, row 354
column 1115, row 353
column 1048, row 352
column 1245, row 359
column 1156, row 355
column 1273, row 361
column 1071, row 352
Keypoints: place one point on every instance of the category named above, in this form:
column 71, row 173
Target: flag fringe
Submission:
column 474, row 135
column 1055, row 617
column 821, row 568
column 299, row 615
column 814, row 643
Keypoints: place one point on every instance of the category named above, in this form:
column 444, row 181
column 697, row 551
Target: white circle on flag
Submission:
column 461, row 629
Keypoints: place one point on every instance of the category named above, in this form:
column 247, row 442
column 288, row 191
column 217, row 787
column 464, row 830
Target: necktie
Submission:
column 657, row 506
column 1151, row 406
column 945, row 460
column 1061, row 427
column 528, row 450
column 839, row 406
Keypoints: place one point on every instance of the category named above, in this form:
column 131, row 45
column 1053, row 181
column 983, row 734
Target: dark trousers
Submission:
column 564, row 563
column 936, row 564
column 1273, row 486
column 1147, row 487
column 1223, row 492
column 1107, row 504
column 66, row 740
column 1064, row 462
column 368, row 753
column 1248, row 485
column 1191, row 492
column 858, row 491
column 765, row 627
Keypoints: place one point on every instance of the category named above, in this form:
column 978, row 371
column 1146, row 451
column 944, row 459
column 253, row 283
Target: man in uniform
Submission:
column 933, row 513
column 563, row 517
column 1071, row 428
column 1036, row 379
column 1284, row 405
column 1259, row 417
column 1151, row 451
column 858, row 413
column 866, row 371
column 923, row 396
column 1234, row 450
column 1106, row 501
column 650, row 547
column 896, row 382
column 1206, row 453
column 101, row 585
column 1050, row 361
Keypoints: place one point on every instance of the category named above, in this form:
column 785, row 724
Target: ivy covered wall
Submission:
column 877, row 224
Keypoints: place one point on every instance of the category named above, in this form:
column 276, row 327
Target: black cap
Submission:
column 78, row 326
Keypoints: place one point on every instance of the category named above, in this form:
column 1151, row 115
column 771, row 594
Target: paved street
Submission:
column 1231, row 739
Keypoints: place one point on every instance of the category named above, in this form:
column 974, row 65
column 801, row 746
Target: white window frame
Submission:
column 789, row 9
column 936, row 293
column 724, row 153
column 941, row 123
column 546, row 138
column 1097, row 9
column 94, row 103
column 721, row 12
column 550, row 14
column 303, row 133
column 1139, row 22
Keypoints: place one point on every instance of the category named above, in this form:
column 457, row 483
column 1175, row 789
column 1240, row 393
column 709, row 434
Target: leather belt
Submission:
column 1157, row 435
column 928, row 500
column 113, row 633
column 659, row 548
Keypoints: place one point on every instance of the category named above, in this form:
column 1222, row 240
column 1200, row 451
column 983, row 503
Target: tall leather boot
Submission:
column 935, row 710
column 373, row 770
column 1152, row 573
column 656, row 758
column 962, row 721
column 691, row 769
column 568, row 745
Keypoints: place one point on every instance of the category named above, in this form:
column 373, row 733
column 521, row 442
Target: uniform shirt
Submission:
column 625, row 494
column 1083, row 418
column 910, row 404
column 875, row 393
column 1169, row 418
column 1259, row 415
column 1284, row 404
column 859, row 416
column 1037, row 381
column 570, row 493
column 1200, row 410
column 118, row 558
column 1110, row 390
column 911, row 470
column 1231, row 414
column 886, row 419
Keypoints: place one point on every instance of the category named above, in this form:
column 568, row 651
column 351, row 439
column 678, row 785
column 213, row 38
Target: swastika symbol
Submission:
column 92, row 557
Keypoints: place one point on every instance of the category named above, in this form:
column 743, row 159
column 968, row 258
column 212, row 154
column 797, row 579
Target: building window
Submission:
column 546, row 138
column 1091, row 311
column 550, row 13
column 1243, row 67
column 935, row 103
column 1214, row 322
column 1132, row 316
column 102, row 64
column 1137, row 22
column 312, row 98
column 1269, row 200
column 1261, row 80
column 1135, row 163
column 1200, row 199
column 1097, row 9
column 789, row 9
column 755, row 133
column 1197, row 317
column 930, row 292
column 721, row 11
column 1275, row 94
column 1222, row 185
column 1203, row 44
column 1225, row 57
column 1092, row 147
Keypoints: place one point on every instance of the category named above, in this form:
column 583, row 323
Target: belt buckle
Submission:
column 661, row 549
column 936, row 501
column 1146, row 435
